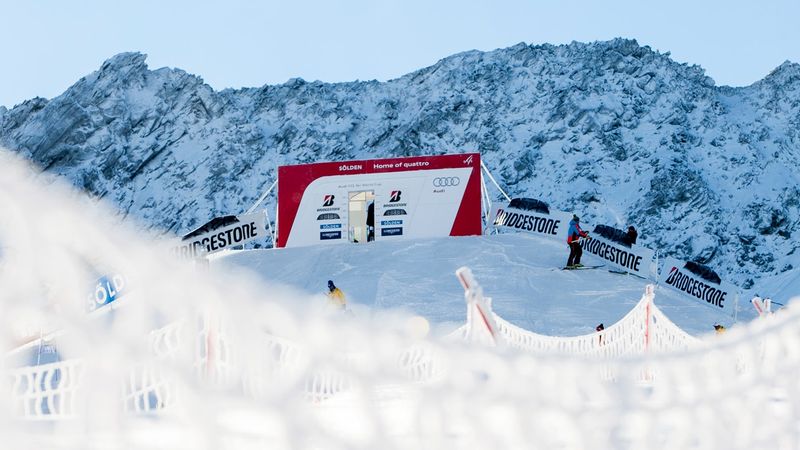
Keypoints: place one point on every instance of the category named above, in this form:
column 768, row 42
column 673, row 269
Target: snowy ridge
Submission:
column 614, row 131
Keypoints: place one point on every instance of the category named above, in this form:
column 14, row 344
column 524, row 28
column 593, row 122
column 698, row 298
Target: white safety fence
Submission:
column 284, row 361
column 51, row 390
column 644, row 329
column 47, row 391
column 664, row 336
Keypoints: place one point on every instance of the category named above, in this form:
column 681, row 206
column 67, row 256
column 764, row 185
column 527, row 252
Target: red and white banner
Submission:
column 414, row 197
column 721, row 296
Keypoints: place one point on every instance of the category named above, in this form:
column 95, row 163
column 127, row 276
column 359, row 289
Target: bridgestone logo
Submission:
column 526, row 222
column 615, row 255
column 696, row 288
column 219, row 240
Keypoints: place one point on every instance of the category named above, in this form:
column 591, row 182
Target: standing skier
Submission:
column 371, row 221
column 631, row 235
column 574, row 235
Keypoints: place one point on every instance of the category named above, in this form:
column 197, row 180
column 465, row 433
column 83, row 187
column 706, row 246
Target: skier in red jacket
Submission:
column 574, row 235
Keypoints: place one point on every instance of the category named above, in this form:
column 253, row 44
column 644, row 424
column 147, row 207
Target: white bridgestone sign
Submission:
column 248, row 228
column 553, row 225
column 721, row 296
column 634, row 259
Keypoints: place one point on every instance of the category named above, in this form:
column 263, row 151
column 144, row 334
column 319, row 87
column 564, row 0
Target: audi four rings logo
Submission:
column 446, row 181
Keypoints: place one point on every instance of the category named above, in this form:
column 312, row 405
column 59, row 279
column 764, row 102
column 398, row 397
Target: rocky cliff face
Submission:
column 611, row 130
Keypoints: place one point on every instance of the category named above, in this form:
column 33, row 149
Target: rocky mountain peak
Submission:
column 614, row 130
column 785, row 75
column 127, row 61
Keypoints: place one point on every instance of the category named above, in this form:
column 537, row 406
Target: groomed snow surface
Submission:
column 520, row 272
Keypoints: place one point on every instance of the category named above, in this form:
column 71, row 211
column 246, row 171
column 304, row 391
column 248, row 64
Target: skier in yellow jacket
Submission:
column 336, row 297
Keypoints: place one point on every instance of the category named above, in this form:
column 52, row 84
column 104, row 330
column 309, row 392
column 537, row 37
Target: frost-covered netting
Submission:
column 217, row 358
column 644, row 328
column 46, row 391
column 50, row 391
column 662, row 335
column 208, row 360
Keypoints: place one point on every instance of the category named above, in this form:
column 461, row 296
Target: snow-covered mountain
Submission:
column 614, row 131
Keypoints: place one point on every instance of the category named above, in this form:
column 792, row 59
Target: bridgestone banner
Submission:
column 553, row 225
column 721, row 296
column 634, row 259
column 248, row 228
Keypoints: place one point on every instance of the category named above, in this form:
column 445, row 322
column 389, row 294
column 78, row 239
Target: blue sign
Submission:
column 108, row 289
column 328, row 226
column 394, row 231
column 391, row 222
column 327, row 235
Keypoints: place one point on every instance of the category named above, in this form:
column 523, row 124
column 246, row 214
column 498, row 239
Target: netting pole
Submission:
column 494, row 181
column 269, row 228
column 488, row 204
column 263, row 196
column 209, row 347
column 648, row 317
column 657, row 259
column 39, row 350
column 277, row 211
column 473, row 295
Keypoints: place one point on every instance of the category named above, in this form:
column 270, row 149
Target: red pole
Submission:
column 647, row 327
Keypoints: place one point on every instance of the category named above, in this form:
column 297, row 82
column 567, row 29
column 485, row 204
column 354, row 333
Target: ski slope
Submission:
column 520, row 272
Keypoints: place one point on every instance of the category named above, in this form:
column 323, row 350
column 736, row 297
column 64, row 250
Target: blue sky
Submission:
column 47, row 45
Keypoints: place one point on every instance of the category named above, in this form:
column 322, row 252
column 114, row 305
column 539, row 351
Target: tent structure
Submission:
column 362, row 201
